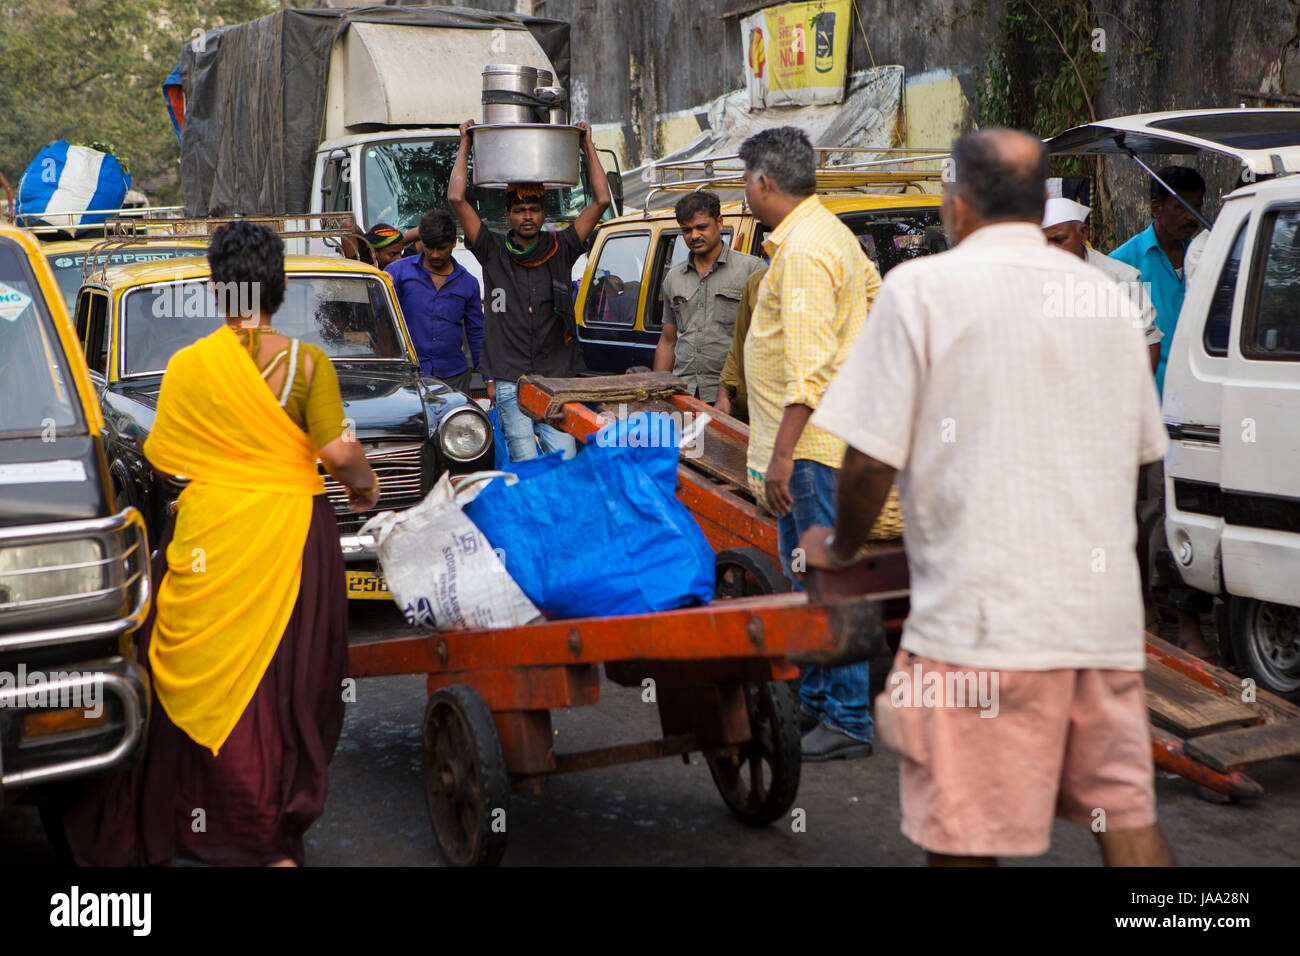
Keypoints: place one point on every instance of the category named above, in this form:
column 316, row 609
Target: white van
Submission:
column 1232, row 384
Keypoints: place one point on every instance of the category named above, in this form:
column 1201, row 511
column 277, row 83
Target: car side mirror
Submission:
column 616, row 189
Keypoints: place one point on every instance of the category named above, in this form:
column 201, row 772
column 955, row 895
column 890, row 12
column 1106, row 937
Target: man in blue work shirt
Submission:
column 441, row 303
column 1157, row 251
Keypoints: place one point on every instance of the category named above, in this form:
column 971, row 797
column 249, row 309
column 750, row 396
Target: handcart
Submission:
column 1205, row 726
column 719, row 674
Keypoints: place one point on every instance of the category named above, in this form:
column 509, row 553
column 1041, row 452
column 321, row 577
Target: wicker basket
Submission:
column 889, row 525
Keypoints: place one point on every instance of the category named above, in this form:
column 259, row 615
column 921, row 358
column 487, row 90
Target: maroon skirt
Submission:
column 250, row 804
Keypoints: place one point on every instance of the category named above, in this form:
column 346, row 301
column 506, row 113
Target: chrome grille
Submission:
column 398, row 470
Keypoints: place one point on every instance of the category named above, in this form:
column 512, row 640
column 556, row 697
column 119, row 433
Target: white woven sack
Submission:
column 441, row 570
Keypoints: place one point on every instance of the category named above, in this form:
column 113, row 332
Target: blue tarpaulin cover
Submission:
column 602, row 533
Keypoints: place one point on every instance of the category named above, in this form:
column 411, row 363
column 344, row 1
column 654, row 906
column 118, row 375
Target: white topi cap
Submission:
column 1058, row 211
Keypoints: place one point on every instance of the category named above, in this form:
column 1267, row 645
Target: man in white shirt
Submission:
column 1065, row 225
column 1015, row 419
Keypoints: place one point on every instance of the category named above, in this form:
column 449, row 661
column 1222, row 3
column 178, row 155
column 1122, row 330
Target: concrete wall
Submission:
column 642, row 68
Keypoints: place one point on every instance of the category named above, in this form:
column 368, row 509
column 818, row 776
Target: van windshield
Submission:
column 404, row 178
column 37, row 392
column 349, row 317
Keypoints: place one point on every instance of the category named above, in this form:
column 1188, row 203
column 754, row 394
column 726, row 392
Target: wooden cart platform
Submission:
column 1206, row 726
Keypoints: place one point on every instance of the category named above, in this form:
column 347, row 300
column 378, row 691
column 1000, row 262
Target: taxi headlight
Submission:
column 34, row 572
column 464, row 435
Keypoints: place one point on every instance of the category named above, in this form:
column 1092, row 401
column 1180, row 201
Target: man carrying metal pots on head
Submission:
column 529, row 326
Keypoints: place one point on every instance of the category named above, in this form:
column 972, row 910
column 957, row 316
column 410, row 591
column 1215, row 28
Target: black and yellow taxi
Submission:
column 131, row 319
column 620, row 303
column 73, row 259
column 74, row 558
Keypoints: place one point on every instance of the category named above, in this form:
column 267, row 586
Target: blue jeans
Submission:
column 837, row 696
column 523, row 434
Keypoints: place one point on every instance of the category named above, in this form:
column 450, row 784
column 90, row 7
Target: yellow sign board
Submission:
column 797, row 53
column 368, row 585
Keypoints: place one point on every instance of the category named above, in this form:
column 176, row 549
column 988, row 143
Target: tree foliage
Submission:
column 91, row 72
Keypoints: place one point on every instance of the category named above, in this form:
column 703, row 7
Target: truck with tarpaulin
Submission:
column 353, row 111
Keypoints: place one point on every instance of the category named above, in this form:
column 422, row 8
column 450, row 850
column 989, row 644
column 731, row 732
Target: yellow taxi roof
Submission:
column 66, row 246
column 196, row 267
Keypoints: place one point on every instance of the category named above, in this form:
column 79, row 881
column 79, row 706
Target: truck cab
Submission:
column 1232, row 384
column 377, row 96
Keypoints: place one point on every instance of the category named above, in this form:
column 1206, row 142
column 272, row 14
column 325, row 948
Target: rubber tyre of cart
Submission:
column 1265, row 641
column 762, row 785
column 466, row 785
column 745, row 572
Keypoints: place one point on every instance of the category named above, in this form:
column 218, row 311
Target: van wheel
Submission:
column 1266, row 644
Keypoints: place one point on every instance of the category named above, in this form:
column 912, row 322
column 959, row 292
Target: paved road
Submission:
column 663, row 812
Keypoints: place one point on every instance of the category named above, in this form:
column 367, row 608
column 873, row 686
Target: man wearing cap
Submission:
column 1065, row 224
column 529, row 323
column 383, row 244
column 440, row 302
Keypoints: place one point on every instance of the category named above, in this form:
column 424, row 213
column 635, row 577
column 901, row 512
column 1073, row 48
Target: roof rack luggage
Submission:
column 863, row 170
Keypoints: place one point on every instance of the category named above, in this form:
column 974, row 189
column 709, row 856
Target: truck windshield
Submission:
column 404, row 178
column 349, row 317
column 36, row 388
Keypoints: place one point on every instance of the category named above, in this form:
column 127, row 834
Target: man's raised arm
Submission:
column 586, row 222
column 460, row 207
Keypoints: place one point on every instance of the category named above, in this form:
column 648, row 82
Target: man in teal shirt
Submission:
column 1157, row 251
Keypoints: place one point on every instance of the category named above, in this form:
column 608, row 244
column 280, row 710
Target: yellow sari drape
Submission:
column 235, row 560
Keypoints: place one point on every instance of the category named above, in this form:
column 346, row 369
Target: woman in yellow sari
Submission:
column 247, row 643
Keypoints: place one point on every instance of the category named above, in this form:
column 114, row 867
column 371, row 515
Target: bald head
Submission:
column 1002, row 174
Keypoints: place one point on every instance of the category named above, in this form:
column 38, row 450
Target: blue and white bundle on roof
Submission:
column 70, row 187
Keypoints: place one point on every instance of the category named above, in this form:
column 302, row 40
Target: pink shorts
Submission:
column 1069, row 743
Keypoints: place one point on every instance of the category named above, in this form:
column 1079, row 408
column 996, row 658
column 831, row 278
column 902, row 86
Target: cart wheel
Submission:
column 465, row 781
column 762, row 784
column 742, row 572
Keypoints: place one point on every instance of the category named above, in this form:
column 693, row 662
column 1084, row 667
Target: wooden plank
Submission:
column 1170, row 754
column 601, row 388
column 1268, row 706
column 1233, row 750
column 1187, row 707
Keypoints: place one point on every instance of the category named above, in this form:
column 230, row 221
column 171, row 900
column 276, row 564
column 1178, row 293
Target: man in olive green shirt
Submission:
column 733, row 399
column 701, row 297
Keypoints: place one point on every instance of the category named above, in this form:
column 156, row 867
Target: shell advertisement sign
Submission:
column 796, row 54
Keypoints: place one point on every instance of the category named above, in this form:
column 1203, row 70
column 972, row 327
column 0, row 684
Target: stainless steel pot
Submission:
column 557, row 115
column 510, row 78
column 525, row 153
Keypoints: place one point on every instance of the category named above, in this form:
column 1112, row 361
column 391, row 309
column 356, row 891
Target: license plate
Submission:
column 368, row 585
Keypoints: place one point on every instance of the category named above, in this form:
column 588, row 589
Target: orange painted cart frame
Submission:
column 733, row 523
column 717, row 673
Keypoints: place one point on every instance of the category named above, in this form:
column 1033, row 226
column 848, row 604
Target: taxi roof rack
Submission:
column 855, row 175
column 64, row 226
column 129, row 231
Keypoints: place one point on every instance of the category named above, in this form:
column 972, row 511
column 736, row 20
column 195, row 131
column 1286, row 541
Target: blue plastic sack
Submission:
column 602, row 533
column 70, row 179
column 500, row 447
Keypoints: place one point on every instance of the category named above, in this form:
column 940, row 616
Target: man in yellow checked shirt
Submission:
column 811, row 306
